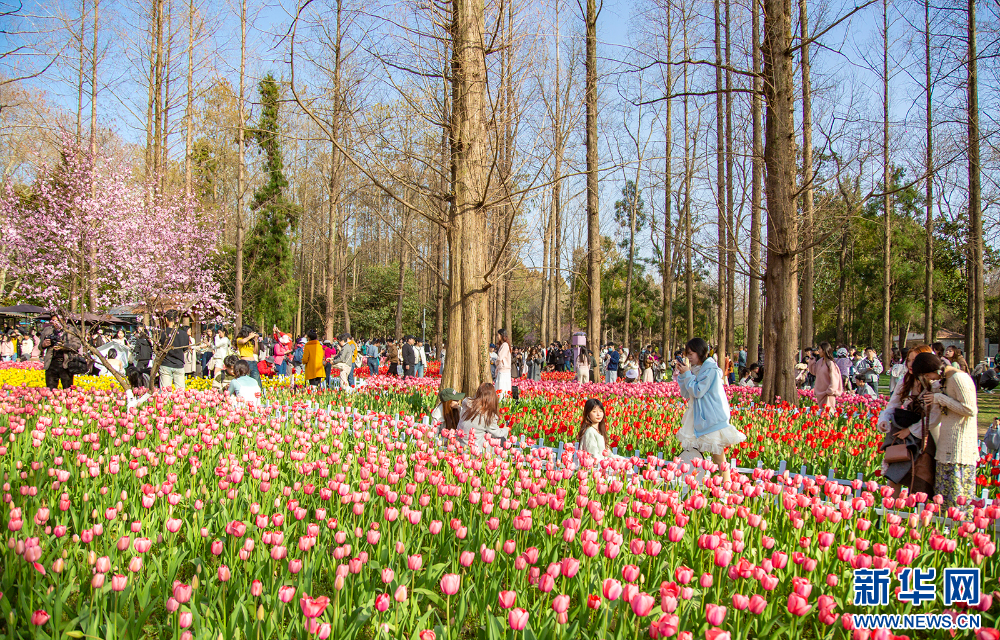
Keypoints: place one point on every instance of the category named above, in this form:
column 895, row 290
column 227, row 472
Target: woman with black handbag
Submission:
column 903, row 421
column 951, row 408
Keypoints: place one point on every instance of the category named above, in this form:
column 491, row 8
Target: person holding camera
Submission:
column 58, row 345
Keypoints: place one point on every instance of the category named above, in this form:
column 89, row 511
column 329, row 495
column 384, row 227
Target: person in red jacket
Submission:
column 283, row 345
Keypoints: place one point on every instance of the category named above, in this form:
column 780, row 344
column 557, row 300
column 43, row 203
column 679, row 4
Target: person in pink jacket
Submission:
column 829, row 384
column 283, row 345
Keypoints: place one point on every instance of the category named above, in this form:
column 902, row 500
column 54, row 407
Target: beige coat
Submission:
column 953, row 420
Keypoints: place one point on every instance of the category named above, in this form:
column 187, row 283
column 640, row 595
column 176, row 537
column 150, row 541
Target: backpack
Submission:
column 297, row 356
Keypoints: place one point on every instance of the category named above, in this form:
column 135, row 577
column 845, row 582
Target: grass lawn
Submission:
column 989, row 404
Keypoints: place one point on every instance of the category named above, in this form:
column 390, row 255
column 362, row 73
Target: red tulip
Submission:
column 798, row 605
column 40, row 617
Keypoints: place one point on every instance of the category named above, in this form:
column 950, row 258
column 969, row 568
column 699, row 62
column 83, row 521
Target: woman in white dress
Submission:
column 222, row 348
column 503, row 363
column 705, row 428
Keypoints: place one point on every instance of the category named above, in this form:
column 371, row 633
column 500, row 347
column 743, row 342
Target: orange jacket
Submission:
column 312, row 359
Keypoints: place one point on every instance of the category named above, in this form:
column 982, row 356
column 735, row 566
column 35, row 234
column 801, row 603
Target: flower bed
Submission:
column 189, row 518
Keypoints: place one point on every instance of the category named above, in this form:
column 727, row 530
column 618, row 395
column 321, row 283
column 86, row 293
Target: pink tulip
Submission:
column 182, row 592
column 507, row 599
column 314, row 607
column 642, row 604
column 224, row 573
column 560, row 604
column 387, row 575
column 118, row 582
column 757, row 605
column 286, row 593
column 256, row 588
column 740, row 602
column 185, row 619
column 450, row 583
column 518, row 619
column 630, row 573
column 401, row 594
column 414, row 562
column 39, row 618
column 612, row 589
column 715, row 614
column 798, row 605
column 706, row 580
column 382, row 602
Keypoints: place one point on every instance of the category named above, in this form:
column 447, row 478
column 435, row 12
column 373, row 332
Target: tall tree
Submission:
column 593, row 204
column 975, row 340
column 808, row 329
column 757, row 169
column 268, row 247
column 780, row 280
column 667, row 268
column 929, row 183
column 720, row 194
column 887, row 196
column 688, row 174
column 240, row 179
column 630, row 210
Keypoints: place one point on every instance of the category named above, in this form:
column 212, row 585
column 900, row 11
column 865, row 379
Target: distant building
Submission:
column 944, row 336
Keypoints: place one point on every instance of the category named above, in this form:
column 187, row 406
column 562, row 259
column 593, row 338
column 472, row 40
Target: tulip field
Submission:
column 334, row 515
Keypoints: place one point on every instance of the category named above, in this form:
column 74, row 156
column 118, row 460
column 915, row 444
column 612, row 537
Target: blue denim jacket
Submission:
column 707, row 397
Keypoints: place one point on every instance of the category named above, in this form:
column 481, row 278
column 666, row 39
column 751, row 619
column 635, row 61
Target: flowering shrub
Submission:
column 21, row 366
column 188, row 518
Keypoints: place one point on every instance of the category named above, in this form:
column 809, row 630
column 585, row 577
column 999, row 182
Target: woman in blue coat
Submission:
column 705, row 427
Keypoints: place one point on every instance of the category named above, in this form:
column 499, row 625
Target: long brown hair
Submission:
column 452, row 417
column 483, row 404
column 826, row 349
column 602, row 428
column 910, row 379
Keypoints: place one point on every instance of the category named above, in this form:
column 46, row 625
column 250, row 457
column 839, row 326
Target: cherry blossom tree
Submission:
column 86, row 237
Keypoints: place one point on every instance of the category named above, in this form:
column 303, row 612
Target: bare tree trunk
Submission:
column 780, row 280
column 401, row 291
column 165, row 107
column 929, row 185
column 150, row 168
column 593, row 213
column 158, row 64
column 189, row 116
column 688, row 170
column 93, row 84
column 241, row 151
column 441, row 239
column 841, row 293
column 808, row 277
column 546, row 325
column 976, row 288
column 753, row 311
column 730, row 221
column 631, row 265
column 667, row 269
column 467, row 364
column 80, row 82
column 720, row 194
column 333, row 225
column 887, row 198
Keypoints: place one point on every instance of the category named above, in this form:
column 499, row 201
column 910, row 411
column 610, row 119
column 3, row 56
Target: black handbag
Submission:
column 76, row 364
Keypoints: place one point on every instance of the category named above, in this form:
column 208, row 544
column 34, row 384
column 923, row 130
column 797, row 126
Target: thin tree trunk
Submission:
column 189, row 114
column 753, row 304
column 730, row 221
column 165, row 108
column 780, row 330
column 333, row 226
column 158, row 93
column 841, row 292
column 594, row 257
column 720, row 193
column 401, row 282
column 79, row 87
column 631, row 265
column 688, row 170
column 241, row 151
column 808, row 277
column 976, row 291
column 93, row 84
column 546, row 325
column 929, row 185
column 150, row 168
column 667, row 270
column 887, row 198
